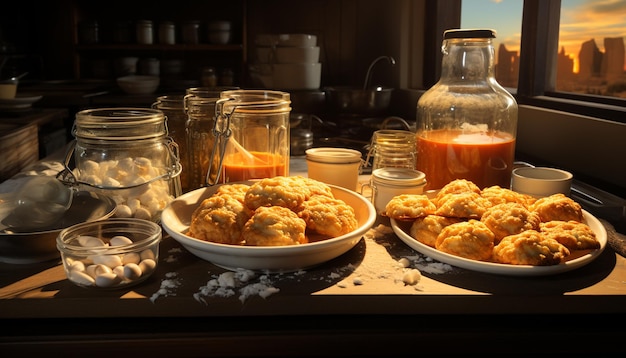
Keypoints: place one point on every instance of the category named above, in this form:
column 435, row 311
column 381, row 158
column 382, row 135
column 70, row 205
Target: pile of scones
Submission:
column 276, row 211
column 495, row 224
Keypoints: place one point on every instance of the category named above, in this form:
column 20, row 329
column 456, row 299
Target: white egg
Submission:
column 81, row 278
column 120, row 240
column 131, row 258
column 76, row 266
column 147, row 266
column 132, row 271
column 119, row 271
column 89, row 241
column 108, row 260
column 97, row 269
column 108, row 279
column 147, row 254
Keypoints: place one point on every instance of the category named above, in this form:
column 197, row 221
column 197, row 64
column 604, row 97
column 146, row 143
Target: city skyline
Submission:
column 581, row 21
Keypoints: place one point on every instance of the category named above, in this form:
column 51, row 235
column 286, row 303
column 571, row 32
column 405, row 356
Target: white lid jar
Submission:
column 387, row 183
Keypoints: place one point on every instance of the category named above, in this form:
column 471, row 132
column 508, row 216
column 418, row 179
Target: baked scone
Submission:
column 498, row 195
column 236, row 190
column 426, row 229
column 288, row 192
column 219, row 219
column 462, row 205
column 469, row 239
column 557, row 207
column 456, row 186
column 274, row 226
column 572, row 234
column 409, row 206
column 328, row 216
column 509, row 219
column 530, row 247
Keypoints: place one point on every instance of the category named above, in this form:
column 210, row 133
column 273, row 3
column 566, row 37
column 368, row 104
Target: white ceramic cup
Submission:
column 336, row 166
column 541, row 181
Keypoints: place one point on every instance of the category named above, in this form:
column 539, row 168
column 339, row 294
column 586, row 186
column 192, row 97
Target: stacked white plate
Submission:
column 287, row 62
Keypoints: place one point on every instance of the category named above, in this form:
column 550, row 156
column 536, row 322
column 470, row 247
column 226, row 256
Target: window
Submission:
column 505, row 17
column 540, row 42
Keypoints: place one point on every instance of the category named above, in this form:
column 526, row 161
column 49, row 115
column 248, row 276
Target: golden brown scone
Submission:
column 409, row 206
column 274, row 226
column 462, row 205
column 572, row 234
column 498, row 195
column 426, row 229
column 236, row 190
column 456, row 186
column 219, row 219
column 328, row 216
column 288, row 192
column 509, row 219
column 557, row 207
column 530, row 247
column 469, row 239
column 313, row 187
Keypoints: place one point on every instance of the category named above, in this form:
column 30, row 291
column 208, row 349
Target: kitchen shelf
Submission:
column 161, row 47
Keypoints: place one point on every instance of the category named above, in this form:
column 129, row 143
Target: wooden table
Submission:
column 353, row 305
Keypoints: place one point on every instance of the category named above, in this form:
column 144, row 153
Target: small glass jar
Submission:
column 209, row 77
column 252, row 133
column 144, row 32
column 126, row 154
column 199, row 106
column 391, row 148
column 167, row 33
column 191, row 32
column 173, row 106
column 467, row 122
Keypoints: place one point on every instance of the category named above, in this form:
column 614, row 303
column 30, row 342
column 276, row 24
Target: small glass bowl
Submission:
column 110, row 254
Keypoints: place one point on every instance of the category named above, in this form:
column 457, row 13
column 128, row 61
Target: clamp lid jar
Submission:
column 125, row 153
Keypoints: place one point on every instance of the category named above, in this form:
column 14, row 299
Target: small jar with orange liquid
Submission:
column 467, row 122
column 252, row 132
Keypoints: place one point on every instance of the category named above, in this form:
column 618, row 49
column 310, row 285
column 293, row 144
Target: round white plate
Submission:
column 19, row 102
column 177, row 216
column 402, row 231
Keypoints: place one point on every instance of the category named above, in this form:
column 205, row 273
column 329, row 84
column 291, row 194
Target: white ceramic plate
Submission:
column 19, row 102
column 402, row 231
column 177, row 216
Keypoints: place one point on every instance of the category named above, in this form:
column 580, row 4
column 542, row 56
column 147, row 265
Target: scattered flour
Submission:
column 246, row 282
column 379, row 265
column 168, row 286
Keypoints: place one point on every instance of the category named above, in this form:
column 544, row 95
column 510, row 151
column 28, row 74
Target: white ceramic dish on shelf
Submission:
column 137, row 84
column 177, row 216
column 582, row 258
column 296, row 76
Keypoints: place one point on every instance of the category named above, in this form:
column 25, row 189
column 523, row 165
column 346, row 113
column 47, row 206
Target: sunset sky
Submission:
column 581, row 20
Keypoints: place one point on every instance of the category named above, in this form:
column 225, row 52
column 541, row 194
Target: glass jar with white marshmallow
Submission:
column 126, row 154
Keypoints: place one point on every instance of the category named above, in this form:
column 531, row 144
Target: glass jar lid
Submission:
column 399, row 177
column 120, row 124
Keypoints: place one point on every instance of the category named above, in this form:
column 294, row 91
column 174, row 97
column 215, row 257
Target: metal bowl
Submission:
column 40, row 246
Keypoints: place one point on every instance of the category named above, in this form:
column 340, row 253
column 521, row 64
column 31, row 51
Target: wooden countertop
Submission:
column 355, row 304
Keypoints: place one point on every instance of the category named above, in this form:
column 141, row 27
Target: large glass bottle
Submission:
column 467, row 122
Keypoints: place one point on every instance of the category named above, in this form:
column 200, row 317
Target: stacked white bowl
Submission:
column 287, row 61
